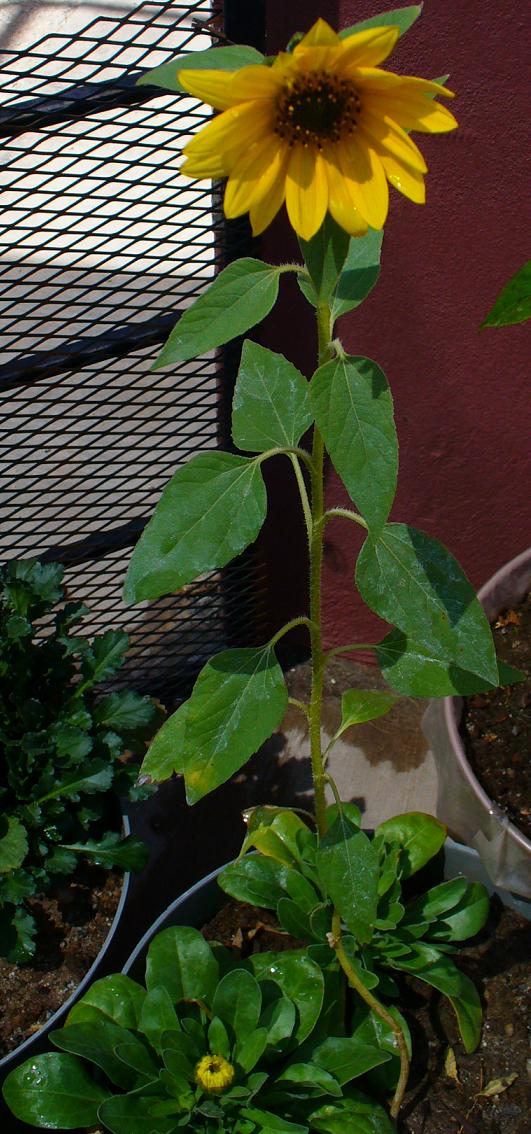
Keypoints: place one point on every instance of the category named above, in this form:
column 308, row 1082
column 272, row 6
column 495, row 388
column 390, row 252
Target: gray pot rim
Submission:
column 452, row 709
column 24, row 1049
column 459, row 859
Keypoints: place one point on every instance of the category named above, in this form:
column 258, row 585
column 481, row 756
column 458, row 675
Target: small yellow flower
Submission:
column 324, row 128
column 214, row 1074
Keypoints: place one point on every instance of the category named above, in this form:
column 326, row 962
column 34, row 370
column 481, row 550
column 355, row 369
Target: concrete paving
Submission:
column 384, row 766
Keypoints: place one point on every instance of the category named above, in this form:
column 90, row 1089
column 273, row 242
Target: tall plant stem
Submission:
column 324, row 321
column 378, row 1009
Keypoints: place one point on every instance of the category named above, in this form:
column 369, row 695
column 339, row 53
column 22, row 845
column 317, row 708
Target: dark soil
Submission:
column 444, row 1099
column 437, row 1103
column 496, row 727
column 73, row 922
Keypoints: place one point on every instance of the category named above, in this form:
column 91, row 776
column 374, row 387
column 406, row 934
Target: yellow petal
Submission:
column 391, row 136
column 408, row 181
column 229, row 135
column 209, row 167
column 340, row 201
column 253, row 175
column 306, row 191
column 369, row 47
column 223, row 89
column 255, row 82
column 367, row 181
column 316, row 59
column 210, row 86
column 375, row 78
column 271, row 196
column 319, row 35
column 413, row 112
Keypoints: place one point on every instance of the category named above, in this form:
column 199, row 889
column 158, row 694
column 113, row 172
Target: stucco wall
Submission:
column 461, row 396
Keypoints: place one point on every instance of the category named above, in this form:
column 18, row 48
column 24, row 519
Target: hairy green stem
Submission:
column 324, row 326
column 348, row 649
column 346, row 514
column 336, row 943
column 306, row 508
column 302, row 621
column 301, row 705
column 286, row 451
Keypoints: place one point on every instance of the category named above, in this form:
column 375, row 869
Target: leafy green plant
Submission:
column 62, row 749
column 289, row 131
column 208, row 1046
column 345, row 893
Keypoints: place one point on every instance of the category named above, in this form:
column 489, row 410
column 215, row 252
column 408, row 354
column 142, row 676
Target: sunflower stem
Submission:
column 324, row 328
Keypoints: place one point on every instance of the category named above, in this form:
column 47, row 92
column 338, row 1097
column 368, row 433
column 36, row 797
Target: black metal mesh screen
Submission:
column 101, row 243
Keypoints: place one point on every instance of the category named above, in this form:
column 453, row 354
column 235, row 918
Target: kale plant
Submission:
column 62, row 748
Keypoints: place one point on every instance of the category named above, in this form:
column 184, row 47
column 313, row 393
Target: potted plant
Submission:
column 214, row 1042
column 65, row 744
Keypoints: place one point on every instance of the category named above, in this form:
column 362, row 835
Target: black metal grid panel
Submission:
column 101, row 244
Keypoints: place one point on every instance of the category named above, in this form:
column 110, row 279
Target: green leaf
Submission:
column 359, row 705
column 214, row 59
column 346, row 1058
column 158, row 1017
column 398, row 17
column 182, row 961
column 348, row 870
column 360, row 273
column 211, row 509
column 347, row 811
column 240, row 296
column 271, row 404
column 126, row 711
column 238, row 1002
column 420, row 671
column 54, row 1090
column 99, row 778
column 443, row 975
column 295, row 921
column 435, row 902
column 13, row 843
column 97, row 1040
column 165, row 753
column 116, row 998
column 508, row 674
column 112, row 850
column 218, row 1039
column 271, row 1123
column 412, row 581
column 255, row 879
column 104, row 657
column 279, row 1019
column 135, row 1114
column 419, row 836
column 274, row 831
column 324, row 256
column 309, row 1076
column 357, row 1114
column 300, row 980
column 238, row 699
column 250, row 1049
column 513, row 304
column 466, row 918
column 354, row 412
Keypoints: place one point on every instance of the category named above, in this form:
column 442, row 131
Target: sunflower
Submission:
column 323, row 129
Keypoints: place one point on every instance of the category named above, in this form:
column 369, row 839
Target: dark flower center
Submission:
column 317, row 108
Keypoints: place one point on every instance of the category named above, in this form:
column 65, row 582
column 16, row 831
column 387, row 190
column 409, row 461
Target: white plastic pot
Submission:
column 462, row 803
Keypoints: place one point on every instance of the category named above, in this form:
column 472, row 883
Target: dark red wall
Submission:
column 461, row 396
